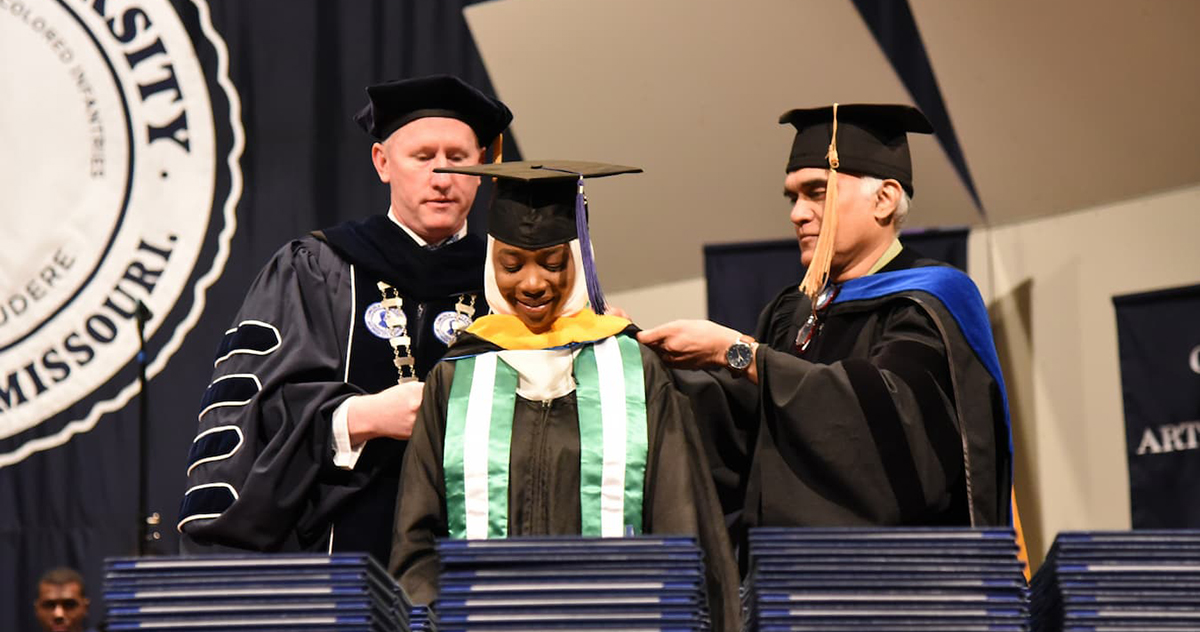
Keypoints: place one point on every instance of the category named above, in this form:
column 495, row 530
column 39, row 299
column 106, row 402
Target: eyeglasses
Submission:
column 812, row 326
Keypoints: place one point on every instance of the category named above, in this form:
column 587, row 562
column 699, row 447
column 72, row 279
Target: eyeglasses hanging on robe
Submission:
column 811, row 327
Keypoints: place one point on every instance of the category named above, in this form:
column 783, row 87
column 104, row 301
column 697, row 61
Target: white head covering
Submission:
column 542, row 374
column 574, row 303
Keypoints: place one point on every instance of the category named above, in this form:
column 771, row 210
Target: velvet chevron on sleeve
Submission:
column 310, row 334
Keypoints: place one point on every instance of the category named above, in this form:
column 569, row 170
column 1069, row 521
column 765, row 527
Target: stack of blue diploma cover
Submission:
column 1147, row 581
column 341, row 592
column 634, row 584
column 895, row 579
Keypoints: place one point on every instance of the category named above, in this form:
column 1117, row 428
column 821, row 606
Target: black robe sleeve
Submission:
column 869, row 439
column 680, row 495
column 421, row 506
column 726, row 415
column 264, row 434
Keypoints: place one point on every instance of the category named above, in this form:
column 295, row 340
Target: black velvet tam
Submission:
column 394, row 104
column 871, row 139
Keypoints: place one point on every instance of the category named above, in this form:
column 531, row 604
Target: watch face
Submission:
column 739, row 355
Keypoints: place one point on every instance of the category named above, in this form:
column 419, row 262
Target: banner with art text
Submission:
column 1159, row 341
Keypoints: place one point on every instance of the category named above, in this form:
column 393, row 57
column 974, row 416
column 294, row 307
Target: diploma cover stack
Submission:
column 895, row 579
column 1147, row 581
column 349, row 592
column 571, row 583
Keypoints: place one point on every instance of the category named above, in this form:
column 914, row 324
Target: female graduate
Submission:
column 547, row 417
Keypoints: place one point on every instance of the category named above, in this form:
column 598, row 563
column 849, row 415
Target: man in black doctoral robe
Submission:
column 316, row 383
column 871, row 394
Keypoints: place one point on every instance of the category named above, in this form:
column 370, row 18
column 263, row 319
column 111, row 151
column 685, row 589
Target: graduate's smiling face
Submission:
column 536, row 283
column 433, row 205
column 861, row 231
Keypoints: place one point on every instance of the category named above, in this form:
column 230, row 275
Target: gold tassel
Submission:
column 817, row 274
column 497, row 157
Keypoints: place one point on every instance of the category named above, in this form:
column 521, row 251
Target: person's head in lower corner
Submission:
column 540, row 265
column 62, row 603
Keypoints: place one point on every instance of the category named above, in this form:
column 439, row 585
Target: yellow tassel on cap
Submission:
column 818, row 269
column 497, row 157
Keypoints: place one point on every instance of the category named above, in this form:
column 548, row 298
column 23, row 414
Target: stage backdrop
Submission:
column 743, row 278
column 1158, row 335
column 161, row 151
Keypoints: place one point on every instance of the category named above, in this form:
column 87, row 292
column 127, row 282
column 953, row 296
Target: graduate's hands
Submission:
column 391, row 412
column 690, row 344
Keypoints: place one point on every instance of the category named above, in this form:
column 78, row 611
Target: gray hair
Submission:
column 871, row 186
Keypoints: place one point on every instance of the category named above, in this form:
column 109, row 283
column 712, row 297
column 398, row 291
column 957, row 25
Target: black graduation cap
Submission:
column 394, row 104
column 540, row 203
column 871, row 139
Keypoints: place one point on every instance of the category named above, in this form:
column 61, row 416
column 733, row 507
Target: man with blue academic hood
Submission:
column 547, row 417
column 315, row 388
column 871, row 394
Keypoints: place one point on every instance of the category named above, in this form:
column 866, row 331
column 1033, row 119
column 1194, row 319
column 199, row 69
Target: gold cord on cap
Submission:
column 818, row 269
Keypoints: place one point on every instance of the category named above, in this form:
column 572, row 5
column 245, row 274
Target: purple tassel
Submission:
column 595, row 295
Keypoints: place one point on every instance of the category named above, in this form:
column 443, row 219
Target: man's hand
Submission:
column 690, row 344
column 389, row 413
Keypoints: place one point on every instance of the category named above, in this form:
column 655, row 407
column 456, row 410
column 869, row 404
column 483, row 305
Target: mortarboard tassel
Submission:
column 595, row 295
column 817, row 274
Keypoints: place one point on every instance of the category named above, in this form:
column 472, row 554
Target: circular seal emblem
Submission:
column 120, row 175
column 447, row 325
column 376, row 321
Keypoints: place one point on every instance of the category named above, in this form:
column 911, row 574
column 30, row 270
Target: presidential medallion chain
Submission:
column 393, row 318
column 465, row 307
column 396, row 323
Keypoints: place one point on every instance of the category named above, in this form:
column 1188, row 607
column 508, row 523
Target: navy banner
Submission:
column 1158, row 335
column 742, row 278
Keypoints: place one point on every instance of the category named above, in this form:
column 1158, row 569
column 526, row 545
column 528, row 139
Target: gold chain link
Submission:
column 398, row 338
column 393, row 317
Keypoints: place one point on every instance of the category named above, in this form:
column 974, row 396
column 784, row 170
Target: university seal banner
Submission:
column 1159, row 340
column 121, row 167
column 121, row 136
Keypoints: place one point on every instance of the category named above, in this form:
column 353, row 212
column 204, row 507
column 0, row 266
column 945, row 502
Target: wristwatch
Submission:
column 739, row 355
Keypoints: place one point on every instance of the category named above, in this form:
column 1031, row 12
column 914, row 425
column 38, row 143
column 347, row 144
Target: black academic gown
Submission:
column 260, row 472
column 543, row 494
column 891, row 417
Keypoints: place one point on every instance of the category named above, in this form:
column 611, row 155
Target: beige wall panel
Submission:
column 1067, row 104
column 1051, row 305
column 657, row 304
column 690, row 91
